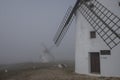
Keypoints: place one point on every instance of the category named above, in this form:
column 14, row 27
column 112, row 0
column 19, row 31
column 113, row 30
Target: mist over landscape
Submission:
column 87, row 30
column 26, row 24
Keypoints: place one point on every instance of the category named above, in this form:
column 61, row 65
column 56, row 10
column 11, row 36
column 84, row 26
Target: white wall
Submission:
column 110, row 64
column 82, row 46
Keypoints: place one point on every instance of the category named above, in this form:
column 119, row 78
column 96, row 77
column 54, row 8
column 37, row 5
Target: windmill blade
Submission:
column 62, row 24
column 65, row 24
column 62, row 28
column 105, row 23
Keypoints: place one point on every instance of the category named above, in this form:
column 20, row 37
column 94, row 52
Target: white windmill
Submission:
column 95, row 54
column 46, row 55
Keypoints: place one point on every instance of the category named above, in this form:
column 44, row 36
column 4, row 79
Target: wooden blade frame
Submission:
column 105, row 23
column 65, row 24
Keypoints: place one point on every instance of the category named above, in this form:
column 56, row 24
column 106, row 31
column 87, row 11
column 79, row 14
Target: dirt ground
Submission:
column 49, row 73
column 53, row 74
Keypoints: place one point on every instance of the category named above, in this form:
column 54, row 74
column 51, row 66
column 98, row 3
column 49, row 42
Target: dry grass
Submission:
column 48, row 73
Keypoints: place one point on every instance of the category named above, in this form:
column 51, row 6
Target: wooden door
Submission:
column 95, row 62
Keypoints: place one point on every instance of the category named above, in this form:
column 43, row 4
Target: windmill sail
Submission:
column 62, row 30
column 105, row 23
column 65, row 24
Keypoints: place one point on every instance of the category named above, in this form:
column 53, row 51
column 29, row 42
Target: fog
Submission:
column 25, row 24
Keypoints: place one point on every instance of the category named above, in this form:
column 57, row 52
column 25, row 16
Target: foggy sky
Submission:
column 25, row 24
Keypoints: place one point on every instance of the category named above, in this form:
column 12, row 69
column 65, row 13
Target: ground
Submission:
column 48, row 73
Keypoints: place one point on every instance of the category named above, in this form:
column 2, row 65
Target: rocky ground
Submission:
column 48, row 73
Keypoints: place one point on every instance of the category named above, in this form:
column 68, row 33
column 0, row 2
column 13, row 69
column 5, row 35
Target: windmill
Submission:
column 97, row 55
column 46, row 55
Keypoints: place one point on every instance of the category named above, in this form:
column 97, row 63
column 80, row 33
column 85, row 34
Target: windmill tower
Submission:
column 97, row 36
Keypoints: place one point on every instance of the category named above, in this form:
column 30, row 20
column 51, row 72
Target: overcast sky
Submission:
column 25, row 24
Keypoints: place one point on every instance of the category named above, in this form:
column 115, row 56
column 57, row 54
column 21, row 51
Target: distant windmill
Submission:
column 46, row 55
column 93, row 50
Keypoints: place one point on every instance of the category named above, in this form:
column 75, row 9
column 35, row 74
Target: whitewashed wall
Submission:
column 109, row 64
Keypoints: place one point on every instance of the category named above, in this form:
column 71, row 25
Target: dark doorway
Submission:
column 95, row 62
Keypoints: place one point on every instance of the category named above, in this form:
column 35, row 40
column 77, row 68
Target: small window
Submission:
column 105, row 52
column 92, row 34
column 119, row 4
